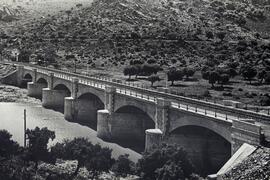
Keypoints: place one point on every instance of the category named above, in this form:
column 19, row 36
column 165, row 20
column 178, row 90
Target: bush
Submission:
column 38, row 140
column 93, row 157
column 7, row 146
column 123, row 166
column 161, row 161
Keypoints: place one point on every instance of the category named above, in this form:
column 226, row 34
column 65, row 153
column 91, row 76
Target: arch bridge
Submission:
column 209, row 132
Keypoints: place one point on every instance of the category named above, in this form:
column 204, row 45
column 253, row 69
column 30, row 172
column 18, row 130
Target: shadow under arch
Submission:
column 87, row 106
column 128, row 127
column 207, row 150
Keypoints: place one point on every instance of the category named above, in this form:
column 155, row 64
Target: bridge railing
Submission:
column 142, row 92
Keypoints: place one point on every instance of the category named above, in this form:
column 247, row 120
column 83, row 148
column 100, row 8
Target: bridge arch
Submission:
column 128, row 126
column 88, row 104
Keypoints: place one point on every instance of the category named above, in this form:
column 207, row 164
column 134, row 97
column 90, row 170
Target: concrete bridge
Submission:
column 121, row 112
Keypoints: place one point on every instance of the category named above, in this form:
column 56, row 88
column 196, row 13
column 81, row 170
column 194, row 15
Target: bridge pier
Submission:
column 70, row 109
column 103, row 124
column 53, row 99
column 153, row 139
column 35, row 89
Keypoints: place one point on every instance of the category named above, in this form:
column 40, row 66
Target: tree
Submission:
column 157, row 163
column 130, row 71
column 189, row 72
column 248, row 72
column 38, row 144
column 24, row 55
column 123, row 166
column 8, row 147
column 224, row 78
column 175, row 75
column 153, row 79
column 93, row 157
column 100, row 161
column 49, row 55
column 213, row 78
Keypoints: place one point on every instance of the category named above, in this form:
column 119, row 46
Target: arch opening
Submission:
column 129, row 125
column 207, row 150
column 27, row 78
column 62, row 92
column 88, row 105
column 42, row 81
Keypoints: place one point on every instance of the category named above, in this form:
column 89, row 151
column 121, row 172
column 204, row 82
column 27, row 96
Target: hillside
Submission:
column 192, row 31
column 112, row 34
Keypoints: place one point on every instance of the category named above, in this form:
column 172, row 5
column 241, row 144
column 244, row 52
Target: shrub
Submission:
column 7, row 146
column 93, row 157
column 188, row 72
column 38, row 140
column 213, row 77
column 123, row 166
column 161, row 161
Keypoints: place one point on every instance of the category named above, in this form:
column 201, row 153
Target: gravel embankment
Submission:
column 255, row 167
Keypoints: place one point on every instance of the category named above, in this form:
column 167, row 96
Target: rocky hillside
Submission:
column 111, row 33
column 257, row 166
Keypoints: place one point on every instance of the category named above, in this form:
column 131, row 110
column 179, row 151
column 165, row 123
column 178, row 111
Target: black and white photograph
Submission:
column 134, row 89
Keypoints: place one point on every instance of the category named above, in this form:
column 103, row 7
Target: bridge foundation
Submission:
column 35, row 89
column 53, row 99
